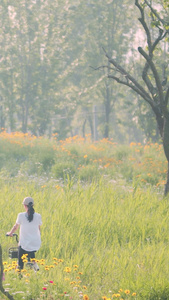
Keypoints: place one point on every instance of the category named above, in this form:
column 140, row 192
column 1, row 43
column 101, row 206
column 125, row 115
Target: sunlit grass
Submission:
column 102, row 210
column 117, row 238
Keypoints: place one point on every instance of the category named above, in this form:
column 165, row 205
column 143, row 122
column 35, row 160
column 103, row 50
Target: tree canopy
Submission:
column 47, row 49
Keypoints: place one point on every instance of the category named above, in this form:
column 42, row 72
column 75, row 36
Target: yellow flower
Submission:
column 75, row 266
column 84, row 287
column 85, row 297
column 85, row 156
column 55, row 258
column 127, row 292
column 104, row 298
column 5, row 270
column 57, row 187
column 33, row 259
column 5, row 263
column 23, row 270
column 134, row 294
column 67, row 270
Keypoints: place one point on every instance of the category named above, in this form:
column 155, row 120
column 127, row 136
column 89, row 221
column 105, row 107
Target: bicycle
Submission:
column 13, row 253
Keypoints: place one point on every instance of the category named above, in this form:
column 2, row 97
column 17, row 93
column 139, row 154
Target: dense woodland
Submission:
column 50, row 80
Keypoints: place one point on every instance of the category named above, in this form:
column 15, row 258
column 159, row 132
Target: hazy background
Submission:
column 48, row 52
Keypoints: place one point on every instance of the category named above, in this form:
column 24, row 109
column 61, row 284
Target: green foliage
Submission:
column 60, row 170
column 122, row 153
column 89, row 173
column 28, row 156
column 2, row 159
column 46, row 50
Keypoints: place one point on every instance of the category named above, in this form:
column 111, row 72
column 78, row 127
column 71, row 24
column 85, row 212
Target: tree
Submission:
column 111, row 27
column 154, row 20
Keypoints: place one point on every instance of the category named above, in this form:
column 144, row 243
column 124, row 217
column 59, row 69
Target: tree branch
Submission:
column 134, row 88
column 156, row 77
column 131, row 78
column 103, row 67
column 155, row 13
column 167, row 97
column 150, row 86
column 143, row 23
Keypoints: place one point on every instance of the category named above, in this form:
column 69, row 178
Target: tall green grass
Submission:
column 117, row 236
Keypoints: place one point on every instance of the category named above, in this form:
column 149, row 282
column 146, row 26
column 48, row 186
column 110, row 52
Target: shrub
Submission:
column 88, row 173
column 62, row 169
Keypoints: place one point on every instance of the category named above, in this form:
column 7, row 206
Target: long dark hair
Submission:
column 30, row 211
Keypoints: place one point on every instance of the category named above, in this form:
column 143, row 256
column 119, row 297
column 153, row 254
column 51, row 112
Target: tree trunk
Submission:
column 166, row 148
column 107, row 112
column 2, row 119
column 83, row 128
column 166, row 191
column 91, row 127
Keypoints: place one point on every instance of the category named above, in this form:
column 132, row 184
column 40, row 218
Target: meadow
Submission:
column 105, row 221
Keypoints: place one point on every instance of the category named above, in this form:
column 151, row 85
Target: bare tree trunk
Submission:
column 166, row 191
column 107, row 112
column 83, row 128
column 166, row 149
column 91, row 127
column 2, row 119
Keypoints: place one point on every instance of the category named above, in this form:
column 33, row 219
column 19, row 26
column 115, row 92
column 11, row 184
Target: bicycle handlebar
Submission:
column 14, row 234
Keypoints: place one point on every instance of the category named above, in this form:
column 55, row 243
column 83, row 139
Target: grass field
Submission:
column 103, row 237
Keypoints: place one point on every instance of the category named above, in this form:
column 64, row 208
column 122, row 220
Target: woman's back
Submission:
column 30, row 238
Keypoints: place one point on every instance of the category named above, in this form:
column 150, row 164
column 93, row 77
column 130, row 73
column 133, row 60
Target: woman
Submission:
column 29, row 236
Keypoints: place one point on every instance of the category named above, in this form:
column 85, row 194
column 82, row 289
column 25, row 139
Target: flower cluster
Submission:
column 122, row 295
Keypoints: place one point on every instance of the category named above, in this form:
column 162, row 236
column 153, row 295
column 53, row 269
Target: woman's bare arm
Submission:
column 14, row 228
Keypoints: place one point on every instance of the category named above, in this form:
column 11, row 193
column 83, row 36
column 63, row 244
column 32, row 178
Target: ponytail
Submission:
column 30, row 211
